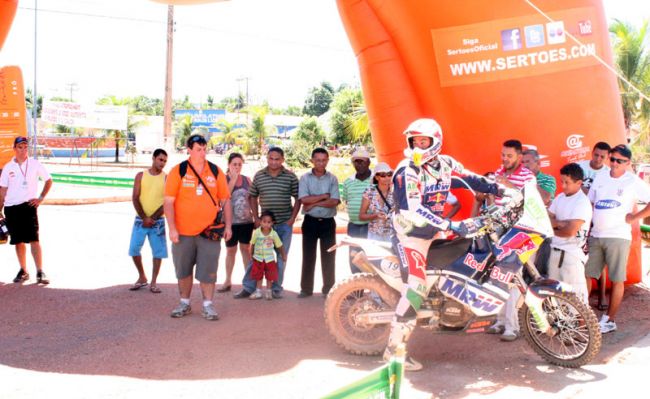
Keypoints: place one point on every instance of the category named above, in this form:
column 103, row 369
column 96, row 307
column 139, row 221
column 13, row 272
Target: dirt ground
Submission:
column 87, row 335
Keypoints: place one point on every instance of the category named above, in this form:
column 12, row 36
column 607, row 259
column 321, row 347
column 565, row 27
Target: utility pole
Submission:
column 167, row 126
column 34, row 96
column 72, row 87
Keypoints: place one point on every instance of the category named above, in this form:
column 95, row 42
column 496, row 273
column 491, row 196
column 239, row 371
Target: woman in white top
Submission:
column 377, row 204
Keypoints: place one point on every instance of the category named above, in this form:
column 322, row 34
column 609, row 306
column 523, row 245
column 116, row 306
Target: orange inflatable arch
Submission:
column 487, row 72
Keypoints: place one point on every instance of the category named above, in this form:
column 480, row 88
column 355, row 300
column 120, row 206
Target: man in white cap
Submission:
column 352, row 194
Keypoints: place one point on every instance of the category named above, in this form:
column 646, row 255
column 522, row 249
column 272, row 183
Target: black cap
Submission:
column 19, row 140
column 623, row 150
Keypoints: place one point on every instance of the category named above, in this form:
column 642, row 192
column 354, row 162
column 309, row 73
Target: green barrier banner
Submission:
column 93, row 180
column 382, row 383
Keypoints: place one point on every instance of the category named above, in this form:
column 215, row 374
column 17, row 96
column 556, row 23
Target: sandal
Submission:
column 224, row 288
column 137, row 286
column 154, row 289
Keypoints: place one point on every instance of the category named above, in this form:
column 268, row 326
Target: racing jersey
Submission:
column 420, row 194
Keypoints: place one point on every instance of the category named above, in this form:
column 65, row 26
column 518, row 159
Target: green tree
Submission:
column 210, row 101
column 28, row 102
column 358, row 125
column 257, row 131
column 183, row 130
column 310, row 132
column 319, row 99
column 633, row 63
column 345, row 104
column 229, row 133
column 185, row 103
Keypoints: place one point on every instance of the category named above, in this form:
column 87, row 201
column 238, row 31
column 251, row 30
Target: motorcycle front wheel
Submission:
column 359, row 293
column 577, row 339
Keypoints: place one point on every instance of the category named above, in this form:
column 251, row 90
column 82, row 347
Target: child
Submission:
column 263, row 242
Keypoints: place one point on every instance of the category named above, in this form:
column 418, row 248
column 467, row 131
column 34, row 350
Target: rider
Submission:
column 421, row 185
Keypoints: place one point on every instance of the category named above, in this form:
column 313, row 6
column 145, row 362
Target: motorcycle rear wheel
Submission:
column 363, row 292
column 578, row 337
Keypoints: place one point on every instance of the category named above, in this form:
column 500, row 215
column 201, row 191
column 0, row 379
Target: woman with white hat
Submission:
column 377, row 204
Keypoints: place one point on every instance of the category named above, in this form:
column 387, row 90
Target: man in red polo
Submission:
column 513, row 174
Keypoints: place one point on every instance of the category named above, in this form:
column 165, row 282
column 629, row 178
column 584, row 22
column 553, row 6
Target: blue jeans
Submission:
column 357, row 231
column 285, row 232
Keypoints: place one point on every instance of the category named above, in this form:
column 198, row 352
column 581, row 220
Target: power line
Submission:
column 191, row 26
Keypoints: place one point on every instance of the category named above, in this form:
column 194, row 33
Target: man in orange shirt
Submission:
column 189, row 209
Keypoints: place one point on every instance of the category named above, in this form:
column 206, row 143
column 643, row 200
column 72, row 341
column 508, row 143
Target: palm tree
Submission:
column 257, row 130
column 183, row 129
column 358, row 124
column 633, row 63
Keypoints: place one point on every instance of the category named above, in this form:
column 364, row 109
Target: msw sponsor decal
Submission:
column 467, row 296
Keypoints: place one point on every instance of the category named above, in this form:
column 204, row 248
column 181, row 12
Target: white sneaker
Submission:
column 607, row 327
column 256, row 295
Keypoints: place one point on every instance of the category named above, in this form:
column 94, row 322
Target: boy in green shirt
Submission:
column 264, row 242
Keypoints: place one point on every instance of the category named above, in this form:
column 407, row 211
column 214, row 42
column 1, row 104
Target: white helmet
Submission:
column 423, row 128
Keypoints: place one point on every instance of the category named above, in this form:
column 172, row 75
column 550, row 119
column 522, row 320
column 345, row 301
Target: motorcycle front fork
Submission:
column 534, row 302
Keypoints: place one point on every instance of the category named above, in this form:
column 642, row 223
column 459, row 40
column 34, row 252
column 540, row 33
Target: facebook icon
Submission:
column 511, row 39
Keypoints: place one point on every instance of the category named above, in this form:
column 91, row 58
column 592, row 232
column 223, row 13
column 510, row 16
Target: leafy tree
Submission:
column 292, row 110
column 257, row 131
column 319, row 99
column 210, row 101
column 185, row 103
column 358, row 125
column 230, row 132
column 632, row 60
column 28, row 102
column 343, row 108
column 310, row 132
column 183, row 130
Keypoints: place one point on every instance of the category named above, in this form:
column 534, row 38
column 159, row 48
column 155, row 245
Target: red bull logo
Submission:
column 471, row 261
column 519, row 243
column 498, row 275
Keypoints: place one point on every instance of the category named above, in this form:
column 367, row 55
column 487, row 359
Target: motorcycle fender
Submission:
column 546, row 287
column 536, row 293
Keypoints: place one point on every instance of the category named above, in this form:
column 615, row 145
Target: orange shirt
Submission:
column 194, row 212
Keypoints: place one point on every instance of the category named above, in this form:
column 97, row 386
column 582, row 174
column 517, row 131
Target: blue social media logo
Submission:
column 511, row 39
column 534, row 35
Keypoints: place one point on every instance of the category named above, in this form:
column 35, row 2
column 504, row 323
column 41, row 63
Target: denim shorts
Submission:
column 156, row 235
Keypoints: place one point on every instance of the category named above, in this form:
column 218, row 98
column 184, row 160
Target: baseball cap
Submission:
column 382, row 167
column 20, row 140
column 360, row 153
column 623, row 150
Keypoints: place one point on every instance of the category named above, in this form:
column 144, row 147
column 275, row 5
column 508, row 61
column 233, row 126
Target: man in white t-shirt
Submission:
column 614, row 196
column 18, row 186
column 597, row 164
column 570, row 214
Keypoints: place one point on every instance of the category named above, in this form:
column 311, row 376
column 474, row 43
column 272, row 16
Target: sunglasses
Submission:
column 381, row 174
column 619, row 161
column 197, row 139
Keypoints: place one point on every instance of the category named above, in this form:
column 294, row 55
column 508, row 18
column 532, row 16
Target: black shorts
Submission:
column 241, row 233
column 22, row 223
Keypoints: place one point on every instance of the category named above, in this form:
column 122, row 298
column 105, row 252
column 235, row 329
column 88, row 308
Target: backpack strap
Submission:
column 182, row 169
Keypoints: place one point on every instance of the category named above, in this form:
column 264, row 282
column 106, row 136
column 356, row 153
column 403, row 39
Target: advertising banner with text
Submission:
column 517, row 47
column 108, row 117
column 12, row 111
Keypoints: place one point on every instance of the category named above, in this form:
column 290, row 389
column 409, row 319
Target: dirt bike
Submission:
column 468, row 282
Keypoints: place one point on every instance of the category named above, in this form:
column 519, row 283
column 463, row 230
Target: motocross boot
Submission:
column 399, row 335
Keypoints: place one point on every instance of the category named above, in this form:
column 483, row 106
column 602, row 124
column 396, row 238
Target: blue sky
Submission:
column 118, row 47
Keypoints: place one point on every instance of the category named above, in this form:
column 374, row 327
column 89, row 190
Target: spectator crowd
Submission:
column 591, row 216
